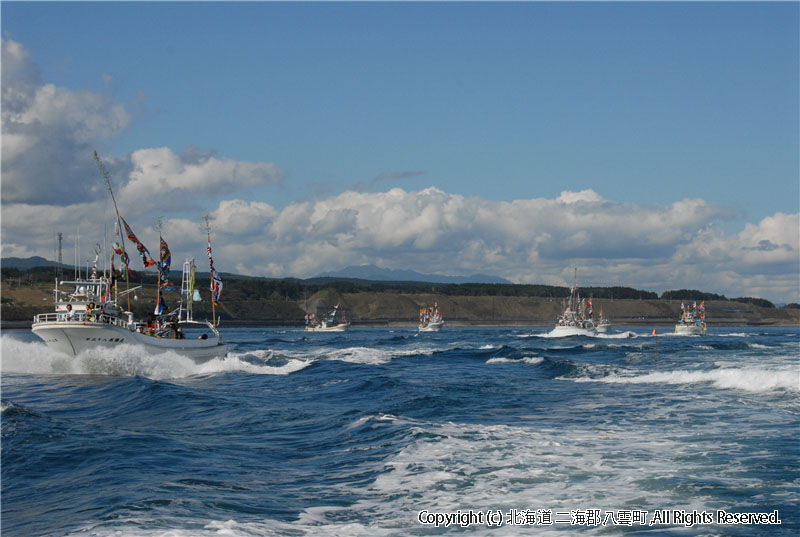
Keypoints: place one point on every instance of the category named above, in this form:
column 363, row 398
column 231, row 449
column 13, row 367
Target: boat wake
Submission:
column 550, row 335
column 747, row 379
column 35, row 358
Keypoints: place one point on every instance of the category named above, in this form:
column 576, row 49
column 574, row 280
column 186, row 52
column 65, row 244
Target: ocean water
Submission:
column 388, row 432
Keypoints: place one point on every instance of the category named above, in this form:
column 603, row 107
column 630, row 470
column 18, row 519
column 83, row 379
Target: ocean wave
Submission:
column 531, row 360
column 747, row 379
column 308, row 524
column 360, row 355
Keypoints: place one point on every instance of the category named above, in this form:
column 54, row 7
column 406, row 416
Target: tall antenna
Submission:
column 60, row 267
column 119, row 218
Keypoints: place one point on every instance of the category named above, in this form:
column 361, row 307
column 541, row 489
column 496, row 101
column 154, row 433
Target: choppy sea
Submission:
column 388, row 432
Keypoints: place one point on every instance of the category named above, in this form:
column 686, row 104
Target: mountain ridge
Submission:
column 375, row 273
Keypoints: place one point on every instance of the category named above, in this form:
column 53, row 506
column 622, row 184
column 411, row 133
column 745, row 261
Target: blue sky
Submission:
column 642, row 105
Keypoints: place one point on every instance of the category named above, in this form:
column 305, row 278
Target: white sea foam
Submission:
column 620, row 335
column 747, row 379
column 465, row 466
column 360, row 355
column 531, row 360
column 307, row 525
column 451, row 466
column 129, row 360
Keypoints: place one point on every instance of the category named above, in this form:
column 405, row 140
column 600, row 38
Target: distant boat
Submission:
column 576, row 318
column 328, row 324
column 603, row 324
column 430, row 319
column 693, row 321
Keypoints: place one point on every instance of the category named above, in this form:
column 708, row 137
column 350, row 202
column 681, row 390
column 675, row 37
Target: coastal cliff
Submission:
column 375, row 308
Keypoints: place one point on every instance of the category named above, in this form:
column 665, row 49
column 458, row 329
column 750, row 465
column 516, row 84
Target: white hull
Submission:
column 689, row 330
column 431, row 327
column 325, row 328
column 568, row 331
column 73, row 338
column 602, row 328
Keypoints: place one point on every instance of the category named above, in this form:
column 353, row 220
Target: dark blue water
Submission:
column 356, row 434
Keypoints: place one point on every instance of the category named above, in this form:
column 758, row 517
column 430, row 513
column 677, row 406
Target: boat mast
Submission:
column 119, row 221
column 211, row 276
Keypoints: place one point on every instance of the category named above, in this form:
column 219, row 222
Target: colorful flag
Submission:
column 160, row 306
column 143, row 251
column 164, row 264
column 216, row 286
column 216, row 281
column 166, row 258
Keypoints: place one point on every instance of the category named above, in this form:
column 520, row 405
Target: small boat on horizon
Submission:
column 576, row 319
column 693, row 321
column 603, row 324
column 327, row 324
column 430, row 319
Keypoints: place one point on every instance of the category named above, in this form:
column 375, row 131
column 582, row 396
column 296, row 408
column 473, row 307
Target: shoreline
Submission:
column 655, row 323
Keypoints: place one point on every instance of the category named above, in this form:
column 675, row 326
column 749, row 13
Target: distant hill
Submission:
column 371, row 272
column 29, row 262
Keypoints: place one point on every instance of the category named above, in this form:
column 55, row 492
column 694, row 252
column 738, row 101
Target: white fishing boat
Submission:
column 693, row 321
column 576, row 318
column 89, row 312
column 570, row 324
column 88, row 315
column 433, row 326
column 430, row 319
column 603, row 325
column 327, row 324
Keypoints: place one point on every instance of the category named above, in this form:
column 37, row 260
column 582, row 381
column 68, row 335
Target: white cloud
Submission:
column 49, row 133
column 655, row 247
column 48, row 137
column 539, row 240
column 161, row 176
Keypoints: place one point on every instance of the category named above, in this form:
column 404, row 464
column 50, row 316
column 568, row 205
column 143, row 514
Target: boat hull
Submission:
column 602, row 328
column 74, row 338
column 689, row 330
column 335, row 328
column 431, row 327
column 568, row 331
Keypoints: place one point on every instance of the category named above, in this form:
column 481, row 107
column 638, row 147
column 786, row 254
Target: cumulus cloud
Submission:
column 172, row 177
column 48, row 137
column 537, row 240
column 49, row 133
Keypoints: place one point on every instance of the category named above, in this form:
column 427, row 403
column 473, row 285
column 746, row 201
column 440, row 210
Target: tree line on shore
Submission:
column 239, row 288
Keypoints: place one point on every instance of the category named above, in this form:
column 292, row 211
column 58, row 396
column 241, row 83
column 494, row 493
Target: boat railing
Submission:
column 79, row 318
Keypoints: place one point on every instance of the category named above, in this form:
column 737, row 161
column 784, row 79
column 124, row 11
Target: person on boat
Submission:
column 70, row 315
column 176, row 332
column 91, row 315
